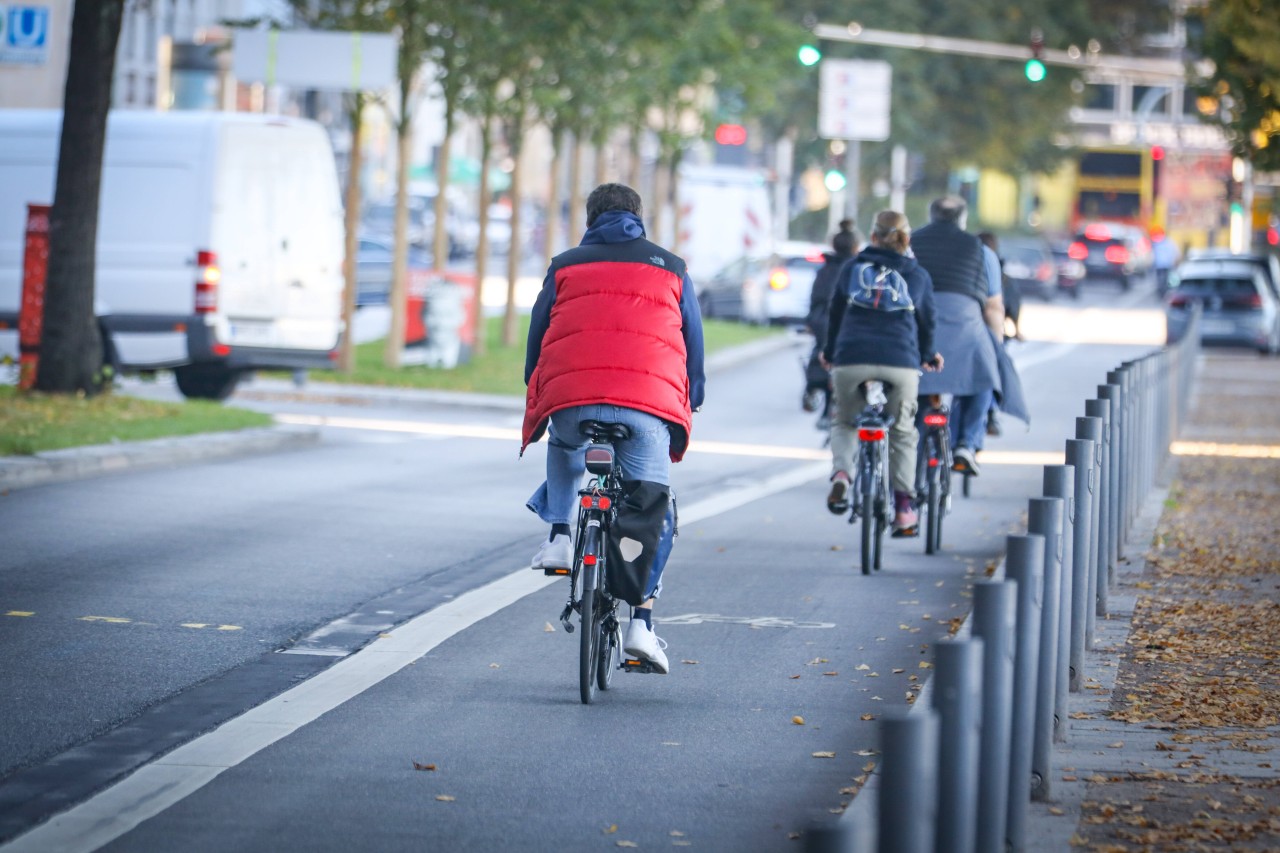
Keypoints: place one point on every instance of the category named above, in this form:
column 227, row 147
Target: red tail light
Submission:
column 1254, row 301
column 1077, row 251
column 1178, row 301
column 1117, row 255
column 870, row 434
column 779, row 280
column 589, row 559
column 1045, row 272
column 935, row 420
column 208, row 274
column 596, row 502
column 1097, row 232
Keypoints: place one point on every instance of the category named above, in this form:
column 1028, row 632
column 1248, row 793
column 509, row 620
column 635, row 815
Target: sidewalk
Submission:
column 1170, row 741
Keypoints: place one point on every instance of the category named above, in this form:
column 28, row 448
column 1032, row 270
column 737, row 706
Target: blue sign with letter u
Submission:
column 24, row 33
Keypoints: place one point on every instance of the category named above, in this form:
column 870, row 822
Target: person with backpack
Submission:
column 880, row 327
column 817, row 390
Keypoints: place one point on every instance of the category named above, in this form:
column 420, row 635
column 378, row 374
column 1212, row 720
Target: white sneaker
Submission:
column 642, row 643
column 554, row 554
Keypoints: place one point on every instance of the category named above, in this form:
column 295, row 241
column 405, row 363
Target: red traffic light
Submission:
column 731, row 134
column 1157, row 152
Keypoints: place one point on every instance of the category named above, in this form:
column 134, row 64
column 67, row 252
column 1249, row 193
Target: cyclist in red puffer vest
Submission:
column 615, row 335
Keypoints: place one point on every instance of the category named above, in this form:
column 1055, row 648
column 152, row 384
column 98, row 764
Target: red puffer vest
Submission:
column 615, row 338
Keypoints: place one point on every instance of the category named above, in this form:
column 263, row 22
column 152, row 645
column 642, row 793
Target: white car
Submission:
column 765, row 288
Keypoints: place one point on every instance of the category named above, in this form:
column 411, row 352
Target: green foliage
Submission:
column 31, row 422
column 1242, row 40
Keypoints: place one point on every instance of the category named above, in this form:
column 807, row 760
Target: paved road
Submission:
column 380, row 575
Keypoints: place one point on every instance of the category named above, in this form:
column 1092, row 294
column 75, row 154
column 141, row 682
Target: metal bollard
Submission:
column 1101, row 409
column 1123, row 378
column 828, row 839
column 957, row 697
column 1059, row 482
column 995, row 613
column 1112, row 394
column 1044, row 516
column 1080, row 455
column 908, row 807
column 1025, row 565
column 1091, row 428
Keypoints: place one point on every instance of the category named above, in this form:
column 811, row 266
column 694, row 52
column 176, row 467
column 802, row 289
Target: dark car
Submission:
column 772, row 287
column 1238, row 305
column 373, row 270
column 1114, row 251
column 1029, row 266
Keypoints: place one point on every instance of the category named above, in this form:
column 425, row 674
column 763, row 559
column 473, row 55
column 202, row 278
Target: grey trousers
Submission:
column 901, row 386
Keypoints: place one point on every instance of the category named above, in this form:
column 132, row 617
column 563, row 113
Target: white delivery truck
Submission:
column 220, row 241
column 725, row 214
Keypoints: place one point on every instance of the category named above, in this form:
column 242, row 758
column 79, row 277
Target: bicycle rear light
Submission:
column 933, row 419
column 600, row 460
column 870, row 434
column 588, row 559
column 596, row 502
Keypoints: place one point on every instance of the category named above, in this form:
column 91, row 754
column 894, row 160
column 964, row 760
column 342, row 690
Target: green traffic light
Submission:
column 1035, row 70
column 834, row 180
column 809, row 55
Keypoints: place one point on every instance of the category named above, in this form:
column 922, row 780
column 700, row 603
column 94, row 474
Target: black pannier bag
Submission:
column 634, row 539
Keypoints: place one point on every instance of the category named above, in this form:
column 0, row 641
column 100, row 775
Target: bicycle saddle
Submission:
column 597, row 430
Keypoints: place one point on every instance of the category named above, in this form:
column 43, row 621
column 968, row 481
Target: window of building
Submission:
column 1161, row 105
column 1100, row 96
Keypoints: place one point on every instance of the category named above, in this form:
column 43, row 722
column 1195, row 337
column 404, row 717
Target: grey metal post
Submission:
column 1044, row 516
column 828, row 839
column 1112, row 393
column 1059, row 482
column 1101, row 409
column 1080, row 454
column 957, row 697
column 1025, row 566
column 1091, row 428
column 1123, row 378
column 908, row 803
column 995, row 612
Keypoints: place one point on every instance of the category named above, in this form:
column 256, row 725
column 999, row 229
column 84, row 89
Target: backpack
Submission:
column 878, row 288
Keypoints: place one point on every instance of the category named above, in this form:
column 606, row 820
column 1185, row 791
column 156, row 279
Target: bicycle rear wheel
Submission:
column 609, row 645
column 589, row 641
column 933, row 524
column 869, row 510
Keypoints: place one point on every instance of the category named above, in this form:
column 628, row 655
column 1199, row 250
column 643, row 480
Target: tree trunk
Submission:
column 440, row 239
column 509, row 331
column 71, row 347
column 551, row 239
column 577, row 216
column 355, row 161
column 482, row 243
column 399, row 261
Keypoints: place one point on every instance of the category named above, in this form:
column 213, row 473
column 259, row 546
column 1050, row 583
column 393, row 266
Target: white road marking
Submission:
column 165, row 781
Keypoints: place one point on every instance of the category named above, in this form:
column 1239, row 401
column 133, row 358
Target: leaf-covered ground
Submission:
column 1202, row 662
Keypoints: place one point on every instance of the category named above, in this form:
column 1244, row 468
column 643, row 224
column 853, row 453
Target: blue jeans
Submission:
column 969, row 419
column 644, row 456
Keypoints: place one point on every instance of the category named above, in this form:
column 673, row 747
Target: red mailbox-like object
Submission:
column 35, row 262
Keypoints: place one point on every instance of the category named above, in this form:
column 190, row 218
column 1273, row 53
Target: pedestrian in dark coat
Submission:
column 817, row 390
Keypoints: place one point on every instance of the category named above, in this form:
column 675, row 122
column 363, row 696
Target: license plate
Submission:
column 1216, row 327
column 251, row 332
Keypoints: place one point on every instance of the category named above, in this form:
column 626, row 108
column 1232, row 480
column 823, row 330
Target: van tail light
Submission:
column 208, row 274
column 1253, row 301
column 779, row 280
column 1117, row 255
column 1078, row 251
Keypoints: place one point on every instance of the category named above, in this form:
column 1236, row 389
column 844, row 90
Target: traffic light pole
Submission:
column 1074, row 58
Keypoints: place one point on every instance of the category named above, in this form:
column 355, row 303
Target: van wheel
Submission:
column 206, row 381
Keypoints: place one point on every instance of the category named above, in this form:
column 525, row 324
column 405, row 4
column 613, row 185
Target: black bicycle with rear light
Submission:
column 600, row 643
column 871, row 500
column 933, row 469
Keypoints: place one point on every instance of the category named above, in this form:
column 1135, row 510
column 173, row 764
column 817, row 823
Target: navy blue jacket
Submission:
column 891, row 338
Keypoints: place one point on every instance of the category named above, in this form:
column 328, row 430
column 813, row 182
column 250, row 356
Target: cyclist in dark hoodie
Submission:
column 892, row 346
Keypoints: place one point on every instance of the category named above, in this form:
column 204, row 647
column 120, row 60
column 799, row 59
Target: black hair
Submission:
column 612, row 197
column 844, row 242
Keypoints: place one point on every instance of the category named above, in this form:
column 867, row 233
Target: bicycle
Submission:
column 933, row 470
column 871, row 500
column 600, row 643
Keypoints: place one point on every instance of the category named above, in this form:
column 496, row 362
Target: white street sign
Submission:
column 315, row 60
column 853, row 99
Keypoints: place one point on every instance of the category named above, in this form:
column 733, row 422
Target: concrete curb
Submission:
column 17, row 472
column 76, row 463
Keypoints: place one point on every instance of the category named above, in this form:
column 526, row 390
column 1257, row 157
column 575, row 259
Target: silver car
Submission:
column 765, row 288
column 1239, row 307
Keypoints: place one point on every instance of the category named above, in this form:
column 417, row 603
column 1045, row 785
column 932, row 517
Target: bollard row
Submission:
column 959, row 776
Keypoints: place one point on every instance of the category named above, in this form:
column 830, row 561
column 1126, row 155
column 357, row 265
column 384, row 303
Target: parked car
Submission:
column 373, row 269
column 763, row 288
column 1029, row 266
column 1114, row 251
column 1238, row 305
column 1269, row 265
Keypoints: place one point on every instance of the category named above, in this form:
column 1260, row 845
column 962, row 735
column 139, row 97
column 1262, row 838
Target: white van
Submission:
column 220, row 241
